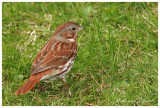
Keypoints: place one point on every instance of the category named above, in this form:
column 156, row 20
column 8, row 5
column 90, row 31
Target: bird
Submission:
column 56, row 57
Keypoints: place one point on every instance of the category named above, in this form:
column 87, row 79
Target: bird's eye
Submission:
column 73, row 28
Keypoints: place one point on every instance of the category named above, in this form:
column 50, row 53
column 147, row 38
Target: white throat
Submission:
column 71, row 40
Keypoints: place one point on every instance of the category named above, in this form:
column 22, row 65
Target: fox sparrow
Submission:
column 56, row 57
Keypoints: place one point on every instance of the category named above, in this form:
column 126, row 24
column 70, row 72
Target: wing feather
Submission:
column 51, row 56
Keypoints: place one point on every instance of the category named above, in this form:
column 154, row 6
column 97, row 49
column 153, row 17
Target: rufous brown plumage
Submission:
column 56, row 57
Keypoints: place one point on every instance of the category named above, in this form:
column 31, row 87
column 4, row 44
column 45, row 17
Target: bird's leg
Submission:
column 42, row 88
column 33, row 89
column 39, row 86
column 67, row 89
column 64, row 80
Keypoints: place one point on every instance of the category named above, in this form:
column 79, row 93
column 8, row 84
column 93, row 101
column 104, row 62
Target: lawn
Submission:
column 117, row 61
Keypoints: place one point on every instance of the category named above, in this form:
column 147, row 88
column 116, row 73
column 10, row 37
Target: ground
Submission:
column 117, row 61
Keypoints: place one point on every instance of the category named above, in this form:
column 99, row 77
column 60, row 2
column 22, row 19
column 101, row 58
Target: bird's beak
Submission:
column 80, row 28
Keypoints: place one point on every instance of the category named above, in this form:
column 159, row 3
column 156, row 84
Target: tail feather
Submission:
column 31, row 82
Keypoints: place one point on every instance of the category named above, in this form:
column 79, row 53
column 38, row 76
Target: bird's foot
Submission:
column 43, row 88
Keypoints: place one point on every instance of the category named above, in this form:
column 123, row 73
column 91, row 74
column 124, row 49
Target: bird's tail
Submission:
column 28, row 85
column 32, row 81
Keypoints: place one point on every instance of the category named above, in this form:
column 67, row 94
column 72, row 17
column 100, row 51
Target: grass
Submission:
column 117, row 61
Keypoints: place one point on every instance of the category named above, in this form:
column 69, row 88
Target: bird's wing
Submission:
column 53, row 54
